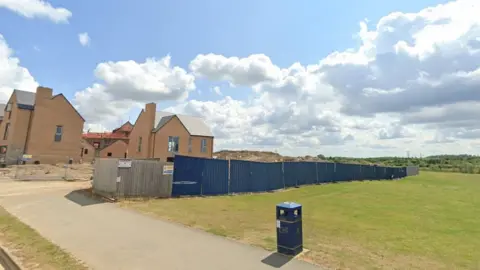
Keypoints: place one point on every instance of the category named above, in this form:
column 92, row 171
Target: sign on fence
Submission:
column 124, row 163
column 167, row 169
column 26, row 157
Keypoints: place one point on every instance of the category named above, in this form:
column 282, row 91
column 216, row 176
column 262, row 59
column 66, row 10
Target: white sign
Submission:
column 124, row 163
column 167, row 169
column 278, row 223
column 118, row 179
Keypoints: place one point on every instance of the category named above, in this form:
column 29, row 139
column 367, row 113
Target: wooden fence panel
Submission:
column 144, row 179
column 105, row 175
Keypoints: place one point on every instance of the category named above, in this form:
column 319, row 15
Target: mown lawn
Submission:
column 31, row 249
column 431, row 221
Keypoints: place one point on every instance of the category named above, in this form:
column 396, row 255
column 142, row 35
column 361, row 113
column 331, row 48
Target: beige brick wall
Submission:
column 117, row 149
column 90, row 155
column 142, row 128
column 48, row 114
column 174, row 127
column 17, row 133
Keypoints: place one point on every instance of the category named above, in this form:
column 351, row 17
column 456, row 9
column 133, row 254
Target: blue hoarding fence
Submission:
column 200, row 176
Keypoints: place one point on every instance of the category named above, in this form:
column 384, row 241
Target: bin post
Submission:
column 289, row 228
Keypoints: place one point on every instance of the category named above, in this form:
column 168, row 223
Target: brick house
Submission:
column 40, row 124
column 162, row 135
column 110, row 144
column 87, row 152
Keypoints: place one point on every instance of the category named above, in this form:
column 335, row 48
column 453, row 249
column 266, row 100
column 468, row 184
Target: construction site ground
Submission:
column 84, row 171
column 78, row 172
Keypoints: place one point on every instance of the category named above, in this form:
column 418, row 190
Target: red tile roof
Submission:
column 104, row 135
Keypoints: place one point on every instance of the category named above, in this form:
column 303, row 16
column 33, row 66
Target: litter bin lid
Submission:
column 289, row 205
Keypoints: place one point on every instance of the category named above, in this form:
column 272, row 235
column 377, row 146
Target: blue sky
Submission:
column 285, row 31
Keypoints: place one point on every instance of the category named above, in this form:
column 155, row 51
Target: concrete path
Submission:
column 105, row 236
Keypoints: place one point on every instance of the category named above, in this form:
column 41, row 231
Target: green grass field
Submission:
column 431, row 221
column 33, row 251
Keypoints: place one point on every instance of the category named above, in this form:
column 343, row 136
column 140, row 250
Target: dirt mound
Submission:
column 46, row 171
column 261, row 156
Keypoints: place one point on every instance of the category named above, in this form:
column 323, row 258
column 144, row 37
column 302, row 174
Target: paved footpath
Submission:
column 106, row 236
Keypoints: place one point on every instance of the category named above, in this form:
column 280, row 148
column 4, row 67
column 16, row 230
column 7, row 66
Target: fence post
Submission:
column 316, row 171
column 65, row 177
column 334, row 172
column 283, row 174
column 229, row 175
column 201, row 181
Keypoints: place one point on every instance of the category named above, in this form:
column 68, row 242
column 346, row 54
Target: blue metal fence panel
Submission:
column 290, row 174
column 330, row 173
column 390, row 174
column 275, row 176
column 403, row 172
column 187, row 176
column 239, row 176
column 381, row 172
column 259, row 176
column 197, row 176
column 344, row 172
column 357, row 172
column 310, row 173
column 368, row 172
column 215, row 177
column 300, row 173
column 322, row 172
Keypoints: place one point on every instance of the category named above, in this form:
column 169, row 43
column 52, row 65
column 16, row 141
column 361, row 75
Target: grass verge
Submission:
column 430, row 221
column 32, row 250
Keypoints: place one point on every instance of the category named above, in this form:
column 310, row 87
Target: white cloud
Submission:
column 247, row 71
column 94, row 128
column 37, row 9
column 84, row 39
column 12, row 75
column 126, row 85
column 412, row 83
column 217, row 90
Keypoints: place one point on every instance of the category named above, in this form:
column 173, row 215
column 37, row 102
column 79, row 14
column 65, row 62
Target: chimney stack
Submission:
column 150, row 107
column 42, row 94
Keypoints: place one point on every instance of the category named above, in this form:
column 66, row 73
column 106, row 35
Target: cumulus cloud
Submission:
column 410, row 61
column 12, row 74
column 84, row 39
column 247, row 71
column 127, row 84
column 412, row 83
column 37, row 9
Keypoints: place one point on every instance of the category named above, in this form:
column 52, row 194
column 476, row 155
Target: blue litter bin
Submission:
column 289, row 228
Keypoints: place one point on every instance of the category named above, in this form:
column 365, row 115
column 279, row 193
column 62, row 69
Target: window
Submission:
column 86, row 151
column 109, row 154
column 5, row 135
column 190, row 145
column 139, row 144
column 9, row 110
column 58, row 133
column 173, row 143
column 204, row 146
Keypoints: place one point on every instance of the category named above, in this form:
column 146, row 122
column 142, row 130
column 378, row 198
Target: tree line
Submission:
column 445, row 163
